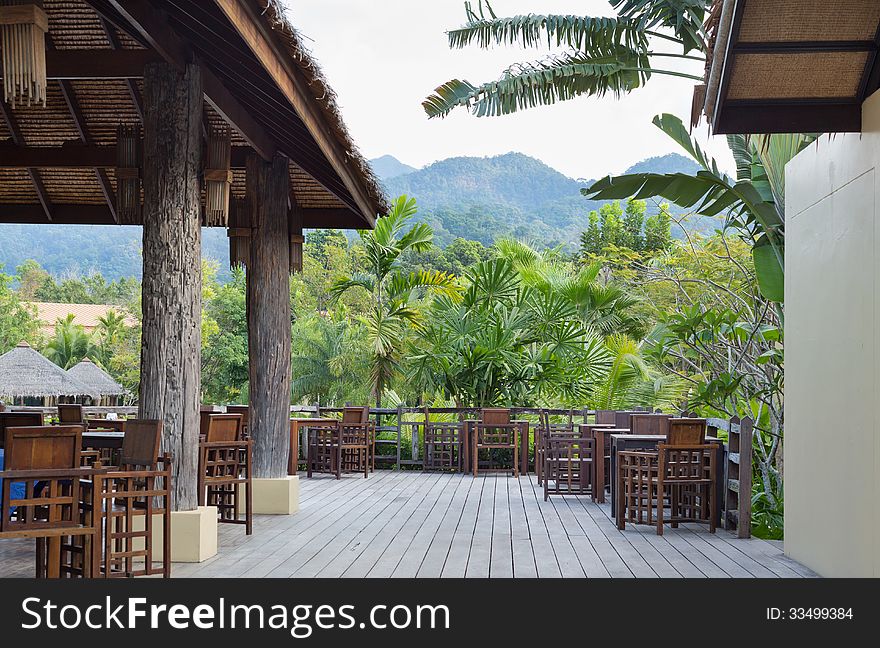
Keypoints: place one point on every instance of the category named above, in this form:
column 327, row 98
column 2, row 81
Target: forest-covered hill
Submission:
column 474, row 198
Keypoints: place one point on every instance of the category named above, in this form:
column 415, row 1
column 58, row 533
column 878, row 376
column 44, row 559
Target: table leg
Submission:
column 599, row 491
column 524, row 449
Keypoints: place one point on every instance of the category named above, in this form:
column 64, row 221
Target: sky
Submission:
column 383, row 57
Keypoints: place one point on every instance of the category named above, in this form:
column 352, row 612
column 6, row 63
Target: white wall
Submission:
column 832, row 353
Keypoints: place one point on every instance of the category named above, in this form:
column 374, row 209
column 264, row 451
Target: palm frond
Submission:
column 557, row 78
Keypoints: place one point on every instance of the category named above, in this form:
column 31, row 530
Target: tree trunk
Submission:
column 268, row 314
column 172, row 282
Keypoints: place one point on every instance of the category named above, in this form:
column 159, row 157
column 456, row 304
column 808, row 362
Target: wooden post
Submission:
column 172, row 283
column 268, row 312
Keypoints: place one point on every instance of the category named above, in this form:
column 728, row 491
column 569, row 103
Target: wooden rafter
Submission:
column 133, row 90
column 34, row 173
column 152, row 26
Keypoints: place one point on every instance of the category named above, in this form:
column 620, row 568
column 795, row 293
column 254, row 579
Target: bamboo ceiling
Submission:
column 57, row 163
column 793, row 65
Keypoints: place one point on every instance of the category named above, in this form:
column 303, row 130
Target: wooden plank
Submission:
column 412, row 559
column 371, row 550
column 542, row 549
column 501, row 559
column 480, row 554
column 438, row 551
column 524, row 565
column 566, row 556
column 459, row 551
column 391, row 557
column 354, row 526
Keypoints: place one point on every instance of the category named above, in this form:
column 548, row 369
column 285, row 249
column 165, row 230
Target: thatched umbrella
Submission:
column 26, row 373
column 96, row 379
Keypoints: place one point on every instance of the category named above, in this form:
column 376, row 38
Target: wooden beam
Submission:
column 97, row 64
column 333, row 218
column 63, row 214
column 34, row 174
column 788, row 117
column 153, row 27
column 291, row 81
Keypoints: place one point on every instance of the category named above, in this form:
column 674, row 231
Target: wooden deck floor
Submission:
column 412, row 524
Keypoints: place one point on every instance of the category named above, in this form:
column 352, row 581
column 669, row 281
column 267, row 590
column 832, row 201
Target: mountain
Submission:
column 509, row 195
column 388, row 166
column 476, row 198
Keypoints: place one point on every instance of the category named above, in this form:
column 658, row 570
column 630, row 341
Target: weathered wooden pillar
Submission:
column 172, row 281
column 268, row 312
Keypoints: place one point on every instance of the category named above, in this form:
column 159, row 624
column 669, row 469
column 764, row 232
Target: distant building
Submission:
column 86, row 315
column 29, row 378
column 108, row 392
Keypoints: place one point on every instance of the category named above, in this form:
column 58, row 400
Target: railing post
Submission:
column 399, row 416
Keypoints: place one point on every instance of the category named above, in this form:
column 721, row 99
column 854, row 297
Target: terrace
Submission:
column 406, row 524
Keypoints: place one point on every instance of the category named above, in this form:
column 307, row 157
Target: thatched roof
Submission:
column 323, row 94
column 96, row 379
column 67, row 172
column 790, row 66
column 26, row 373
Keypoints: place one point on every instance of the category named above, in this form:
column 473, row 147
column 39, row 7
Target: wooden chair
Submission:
column 323, row 450
column 46, row 460
column 18, row 419
column 443, row 445
column 680, row 473
column 495, row 431
column 606, row 417
column 71, row 415
column 686, row 475
column 650, row 424
column 357, row 441
column 133, row 494
column 542, row 431
column 244, row 411
column 568, row 465
column 224, row 463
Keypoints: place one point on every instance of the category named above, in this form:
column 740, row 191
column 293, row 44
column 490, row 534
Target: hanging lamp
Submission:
column 23, row 27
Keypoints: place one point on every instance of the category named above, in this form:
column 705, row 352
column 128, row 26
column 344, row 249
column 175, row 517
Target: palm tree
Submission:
column 109, row 333
column 754, row 202
column 604, row 308
column 394, row 293
column 69, row 345
column 594, row 56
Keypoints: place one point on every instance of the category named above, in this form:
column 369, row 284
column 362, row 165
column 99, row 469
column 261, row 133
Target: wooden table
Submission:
column 621, row 442
column 297, row 427
column 523, row 445
column 600, row 432
column 102, row 439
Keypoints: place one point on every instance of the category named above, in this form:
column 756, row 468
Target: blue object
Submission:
column 17, row 490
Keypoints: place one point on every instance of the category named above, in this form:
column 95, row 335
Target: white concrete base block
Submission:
column 275, row 496
column 194, row 534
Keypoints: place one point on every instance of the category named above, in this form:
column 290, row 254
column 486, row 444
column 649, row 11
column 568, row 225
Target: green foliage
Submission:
column 612, row 227
column 754, row 204
column 69, row 345
column 35, row 284
column 594, row 56
column 225, row 349
column 17, row 321
column 394, row 294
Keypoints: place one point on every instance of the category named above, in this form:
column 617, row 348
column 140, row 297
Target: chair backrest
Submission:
column 543, row 419
column 117, row 425
column 686, row 432
column 222, row 427
column 244, row 410
column 70, row 414
column 18, row 419
column 43, row 448
column 140, row 447
column 623, row 419
column 650, row 424
column 606, row 417
column 495, row 416
column 355, row 415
